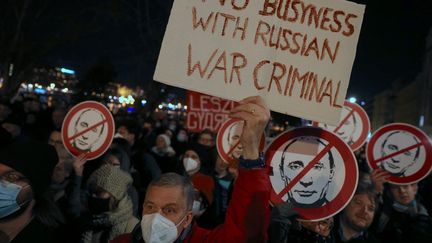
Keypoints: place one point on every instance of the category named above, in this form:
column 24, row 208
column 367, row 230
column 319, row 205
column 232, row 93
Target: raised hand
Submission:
column 256, row 114
column 79, row 163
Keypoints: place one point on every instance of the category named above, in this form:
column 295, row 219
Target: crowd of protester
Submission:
column 47, row 195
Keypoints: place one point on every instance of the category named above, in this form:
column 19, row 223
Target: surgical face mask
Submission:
column 8, row 198
column 158, row 229
column 181, row 137
column 190, row 164
column 196, row 208
column 172, row 127
column 118, row 135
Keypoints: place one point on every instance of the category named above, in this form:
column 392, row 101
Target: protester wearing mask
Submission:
column 181, row 141
column 167, row 214
column 109, row 205
column 207, row 150
column 118, row 158
column 191, row 162
column 27, row 212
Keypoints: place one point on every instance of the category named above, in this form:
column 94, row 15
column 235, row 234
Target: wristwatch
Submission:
column 252, row 163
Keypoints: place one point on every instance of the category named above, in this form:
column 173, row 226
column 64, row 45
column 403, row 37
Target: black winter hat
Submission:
column 34, row 160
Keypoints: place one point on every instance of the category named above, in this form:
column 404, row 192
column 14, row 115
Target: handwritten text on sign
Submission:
column 206, row 112
column 298, row 55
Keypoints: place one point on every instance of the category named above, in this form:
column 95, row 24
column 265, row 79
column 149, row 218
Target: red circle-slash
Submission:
column 364, row 122
column 351, row 171
column 108, row 120
column 424, row 142
column 225, row 155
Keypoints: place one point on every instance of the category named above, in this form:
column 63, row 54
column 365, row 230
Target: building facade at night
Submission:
column 407, row 102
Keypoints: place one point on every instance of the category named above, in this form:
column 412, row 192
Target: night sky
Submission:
column 391, row 44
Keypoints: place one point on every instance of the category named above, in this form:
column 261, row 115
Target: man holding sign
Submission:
column 167, row 213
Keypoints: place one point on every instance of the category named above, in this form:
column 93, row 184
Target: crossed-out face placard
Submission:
column 353, row 127
column 88, row 128
column 314, row 170
column 228, row 141
column 401, row 149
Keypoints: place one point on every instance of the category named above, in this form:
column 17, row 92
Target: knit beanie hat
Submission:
column 34, row 160
column 112, row 180
column 166, row 138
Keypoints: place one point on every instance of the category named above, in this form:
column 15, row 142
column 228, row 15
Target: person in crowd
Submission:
column 163, row 146
column 224, row 181
column 27, row 212
column 285, row 228
column 206, row 138
column 118, row 158
column 191, row 163
column 169, row 133
column 167, row 214
column 181, row 141
column 10, row 129
column 140, row 158
column 144, row 166
column 402, row 217
column 60, row 180
column 123, row 144
column 57, row 117
column 356, row 218
column 205, row 143
column 172, row 125
column 148, row 134
column 110, row 207
column 56, row 141
column 164, row 154
column 351, row 225
column 35, row 120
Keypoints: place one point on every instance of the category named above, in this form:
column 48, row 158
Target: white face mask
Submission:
column 118, row 135
column 158, row 229
column 196, row 208
column 190, row 164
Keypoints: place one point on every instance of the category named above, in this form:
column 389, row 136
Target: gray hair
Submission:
column 173, row 180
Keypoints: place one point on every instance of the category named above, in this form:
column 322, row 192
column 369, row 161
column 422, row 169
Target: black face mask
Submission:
column 98, row 205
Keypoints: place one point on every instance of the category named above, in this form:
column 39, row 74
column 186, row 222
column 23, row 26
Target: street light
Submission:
column 352, row 99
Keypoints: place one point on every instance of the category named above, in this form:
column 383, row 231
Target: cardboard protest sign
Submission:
column 353, row 127
column 88, row 128
column 206, row 112
column 228, row 141
column 401, row 149
column 314, row 170
column 297, row 55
